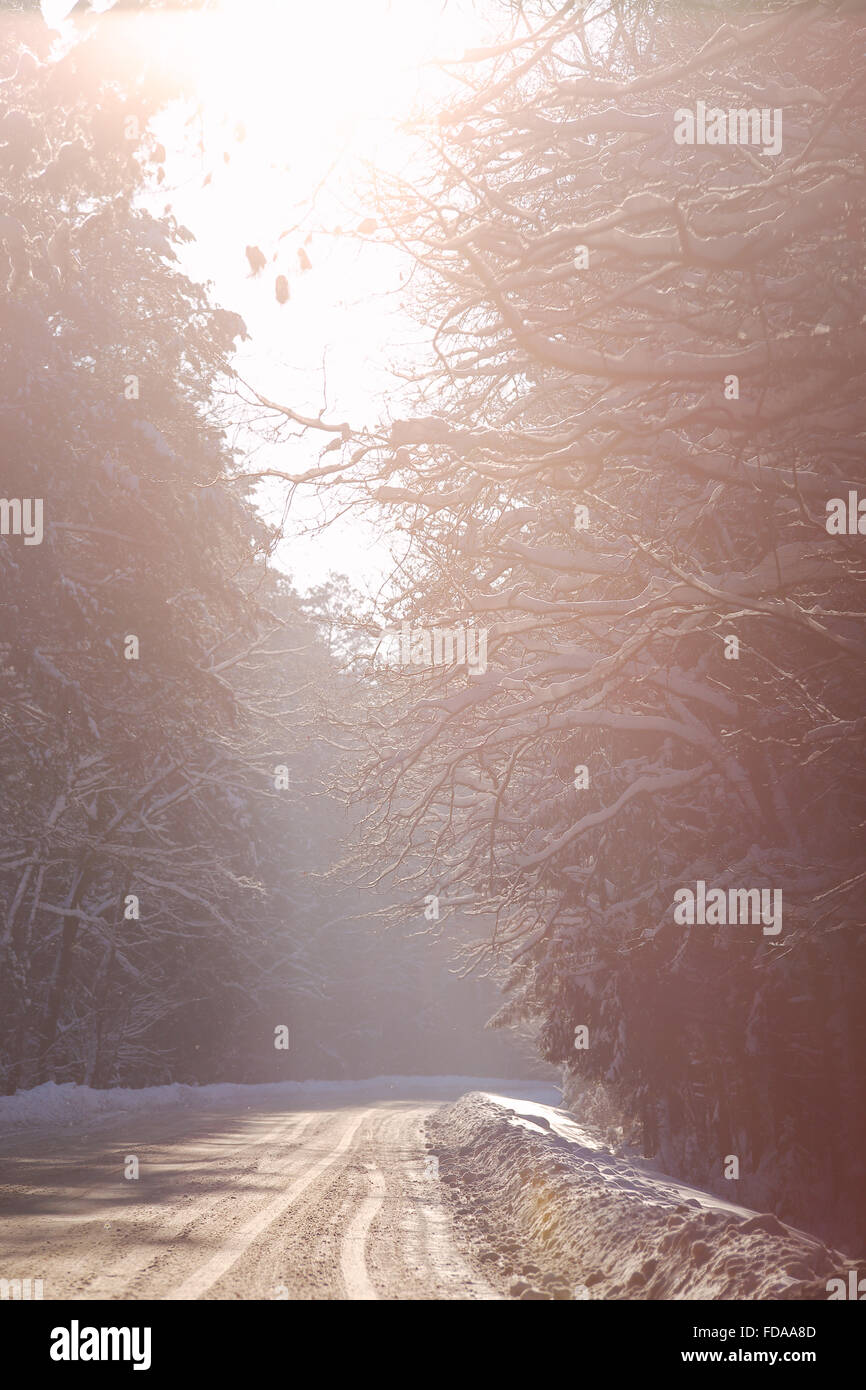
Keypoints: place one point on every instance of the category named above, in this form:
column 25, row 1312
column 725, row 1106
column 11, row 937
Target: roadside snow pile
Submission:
column 557, row 1215
column 55, row 1106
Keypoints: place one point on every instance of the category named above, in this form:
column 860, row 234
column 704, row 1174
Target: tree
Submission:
column 643, row 393
column 135, row 621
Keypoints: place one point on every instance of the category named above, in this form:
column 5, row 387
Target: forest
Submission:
column 618, row 660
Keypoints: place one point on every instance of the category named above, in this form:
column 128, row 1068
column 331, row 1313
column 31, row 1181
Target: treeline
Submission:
column 167, row 833
column 143, row 707
column 645, row 387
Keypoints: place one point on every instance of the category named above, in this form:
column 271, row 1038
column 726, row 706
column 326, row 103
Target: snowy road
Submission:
column 381, row 1189
column 326, row 1201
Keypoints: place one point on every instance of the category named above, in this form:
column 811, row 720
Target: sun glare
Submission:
column 305, row 78
column 288, row 106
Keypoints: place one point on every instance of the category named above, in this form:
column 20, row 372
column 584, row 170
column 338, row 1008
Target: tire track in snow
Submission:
column 176, row 1225
column 240, row 1240
column 353, row 1264
column 413, row 1247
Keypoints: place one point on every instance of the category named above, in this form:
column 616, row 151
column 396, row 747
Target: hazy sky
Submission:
column 296, row 94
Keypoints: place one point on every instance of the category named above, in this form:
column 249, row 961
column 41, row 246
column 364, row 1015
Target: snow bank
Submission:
column 51, row 1105
column 563, row 1218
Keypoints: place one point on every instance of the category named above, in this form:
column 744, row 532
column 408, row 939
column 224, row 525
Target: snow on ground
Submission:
column 68, row 1105
column 541, row 1201
column 563, row 1217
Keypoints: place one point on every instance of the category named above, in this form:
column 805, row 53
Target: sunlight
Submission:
column 304, row 80
column 292, row 104
column 267, row 64
column 287, row 109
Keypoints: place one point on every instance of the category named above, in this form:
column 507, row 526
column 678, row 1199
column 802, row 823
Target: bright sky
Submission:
column 288, row 89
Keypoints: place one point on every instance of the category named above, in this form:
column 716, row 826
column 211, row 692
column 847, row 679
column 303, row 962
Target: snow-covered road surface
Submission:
column 301, row 1192
column 382, row 1189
